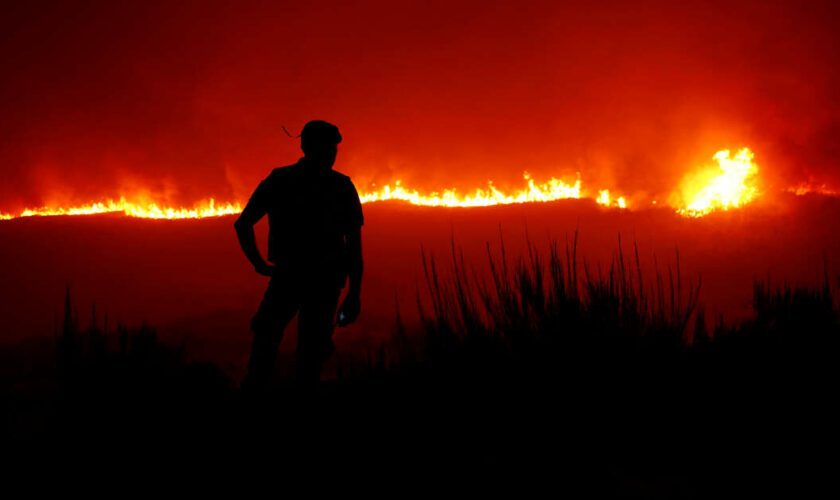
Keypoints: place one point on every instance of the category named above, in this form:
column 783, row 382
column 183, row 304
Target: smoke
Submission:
column 187, row 101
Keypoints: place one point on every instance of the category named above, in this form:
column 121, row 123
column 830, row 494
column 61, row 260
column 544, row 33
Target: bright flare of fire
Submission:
column 552, row 190
column 732, row 185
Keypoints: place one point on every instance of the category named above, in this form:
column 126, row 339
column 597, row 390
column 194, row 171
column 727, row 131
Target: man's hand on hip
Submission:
column 264, row 269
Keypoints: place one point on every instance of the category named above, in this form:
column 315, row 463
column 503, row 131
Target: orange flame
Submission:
column 809, row 188
column 552, row 190
column 605, row 200
column 730, row 185
column 146, row 210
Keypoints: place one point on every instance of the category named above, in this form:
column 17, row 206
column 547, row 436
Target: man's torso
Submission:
column 309, row 213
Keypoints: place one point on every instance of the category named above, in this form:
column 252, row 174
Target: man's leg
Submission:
column 315, row 330
column 278, row 307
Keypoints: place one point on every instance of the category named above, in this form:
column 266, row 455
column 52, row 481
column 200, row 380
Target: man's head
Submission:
column 319, row 142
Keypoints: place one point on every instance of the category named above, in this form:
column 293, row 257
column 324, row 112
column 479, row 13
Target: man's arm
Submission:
column 354, row 246
column 351, row 306
column 352, row 303
column 244, row 225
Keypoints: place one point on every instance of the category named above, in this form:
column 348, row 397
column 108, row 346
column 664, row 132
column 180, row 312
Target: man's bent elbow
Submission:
column 240, row 225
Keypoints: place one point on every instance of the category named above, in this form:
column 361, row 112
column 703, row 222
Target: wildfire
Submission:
column 730, row 185
column 145, row 210
column 552, row 190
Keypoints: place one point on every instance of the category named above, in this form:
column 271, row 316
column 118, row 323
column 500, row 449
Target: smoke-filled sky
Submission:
column 186, row 100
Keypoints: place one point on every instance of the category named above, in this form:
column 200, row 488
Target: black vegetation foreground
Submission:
column 585, row 381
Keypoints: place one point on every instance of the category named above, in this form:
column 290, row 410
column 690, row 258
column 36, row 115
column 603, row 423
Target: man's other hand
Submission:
column 265, row 269
column 349, row 310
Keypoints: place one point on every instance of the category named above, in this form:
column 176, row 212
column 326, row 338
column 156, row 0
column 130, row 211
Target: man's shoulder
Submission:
column 289, row 174
column 279, row 177
column 284, row 170
column 341, row 177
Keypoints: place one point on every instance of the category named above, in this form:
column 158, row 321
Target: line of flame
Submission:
column 730, row 184
column 145, row 210
column 552, row 190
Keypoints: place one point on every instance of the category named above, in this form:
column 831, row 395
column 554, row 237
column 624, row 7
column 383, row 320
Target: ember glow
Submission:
column 810, row 188
column 730, row 185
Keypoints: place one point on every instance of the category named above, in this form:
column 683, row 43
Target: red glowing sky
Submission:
column 187, row 99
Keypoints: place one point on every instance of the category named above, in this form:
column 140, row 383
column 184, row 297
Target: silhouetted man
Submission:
column 314, row 241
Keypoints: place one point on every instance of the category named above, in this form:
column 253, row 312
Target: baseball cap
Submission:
column 319, row 131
